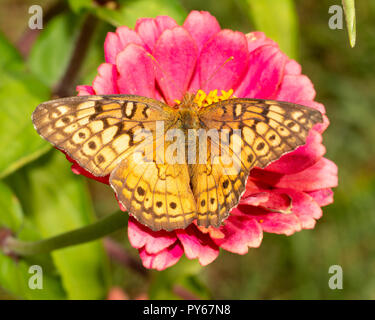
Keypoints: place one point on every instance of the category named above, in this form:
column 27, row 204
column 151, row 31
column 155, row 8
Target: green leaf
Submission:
column 10, row 57
column 183, row 274
column 20, row 93
column 79, row 5
column 349, row 9
column 14, row 278
column 51, row 52
column 14, row 275
column 56, row 201
column 131, row 10
column 278, row 19
column 11, row 214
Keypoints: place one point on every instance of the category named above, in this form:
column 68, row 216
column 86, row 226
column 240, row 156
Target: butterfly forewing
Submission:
column 98, row 131
column 269, row 128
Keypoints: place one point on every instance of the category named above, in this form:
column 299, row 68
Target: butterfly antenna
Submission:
column 216, row 71
column 162, row 70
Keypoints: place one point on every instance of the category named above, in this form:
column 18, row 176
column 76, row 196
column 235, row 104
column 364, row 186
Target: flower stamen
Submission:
column 203, row 100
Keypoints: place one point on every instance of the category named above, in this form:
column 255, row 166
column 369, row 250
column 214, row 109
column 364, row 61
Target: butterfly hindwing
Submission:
column 217, row 185
column 157, row 194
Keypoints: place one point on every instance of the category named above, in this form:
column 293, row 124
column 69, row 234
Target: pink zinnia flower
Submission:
column 162, row 60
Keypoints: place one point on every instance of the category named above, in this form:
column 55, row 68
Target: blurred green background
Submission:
column 40, row 197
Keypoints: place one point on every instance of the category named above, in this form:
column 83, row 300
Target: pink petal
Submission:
column 322, row 175
column 116, row 42
column 153, row 242
column 163, row 259
column 165, row 22
column 304, row 207
column 214, row 233
column 257, row 39
column 105, row 81
column 280, row 202
column 202, row 26
column 265, row 73
column 304, row 211
column 269, row 199
column 240, row 234
column 253, row 187
column 224, row 61
column 85, row 90
column 176, row 55
column 112, row 46
column 301, row 158
column 296, row 89
column 197, row 245
column 136, row 72
column 321, row 127
column 76, row 169
column 313, row 104
column 150, row 29
column 122, row 207
column 292, row 67
column 272, row 200
column 323, row 197
column 273, row 222
column 194, row 85
column 254, row 199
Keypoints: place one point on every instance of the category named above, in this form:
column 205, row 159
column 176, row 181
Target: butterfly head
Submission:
column 189, row 101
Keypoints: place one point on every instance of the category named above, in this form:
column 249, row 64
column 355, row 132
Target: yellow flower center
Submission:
column 202, row 99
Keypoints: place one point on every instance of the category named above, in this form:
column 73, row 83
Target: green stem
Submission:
column 88, row 233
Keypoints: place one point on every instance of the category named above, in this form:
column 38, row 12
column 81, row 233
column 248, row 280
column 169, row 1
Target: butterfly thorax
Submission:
column 188, row 116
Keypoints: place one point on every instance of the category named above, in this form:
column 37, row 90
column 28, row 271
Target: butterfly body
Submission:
column 101, row 134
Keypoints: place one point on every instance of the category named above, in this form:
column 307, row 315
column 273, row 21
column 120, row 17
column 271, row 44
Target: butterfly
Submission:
column 99, row 133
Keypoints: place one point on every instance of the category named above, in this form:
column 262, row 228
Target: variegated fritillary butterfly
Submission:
column 98, row 132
